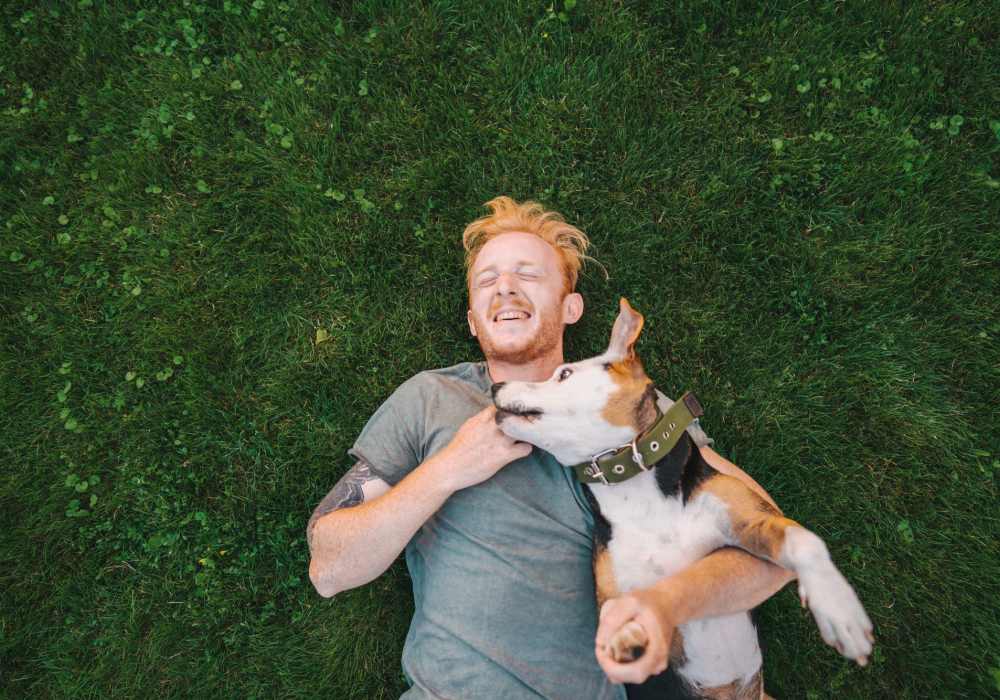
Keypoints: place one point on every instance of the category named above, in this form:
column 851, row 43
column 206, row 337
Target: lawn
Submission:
column 230, row 229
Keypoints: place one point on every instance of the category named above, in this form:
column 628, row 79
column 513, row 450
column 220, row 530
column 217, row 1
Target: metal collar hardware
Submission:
column 618, row 464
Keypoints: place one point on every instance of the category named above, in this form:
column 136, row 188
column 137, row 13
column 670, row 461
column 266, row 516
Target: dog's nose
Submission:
column 495, row 388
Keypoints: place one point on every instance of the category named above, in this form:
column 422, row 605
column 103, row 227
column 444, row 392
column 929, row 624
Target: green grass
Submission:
column 801, row 197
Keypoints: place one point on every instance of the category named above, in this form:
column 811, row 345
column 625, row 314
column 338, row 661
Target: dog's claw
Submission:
column 862, row 661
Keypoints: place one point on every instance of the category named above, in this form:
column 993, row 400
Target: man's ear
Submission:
column 472, row 326
column 626, row 330
column 572, row 307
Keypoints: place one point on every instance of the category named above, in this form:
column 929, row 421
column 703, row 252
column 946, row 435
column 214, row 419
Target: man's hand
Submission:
column 479, row 450
column 629, row 621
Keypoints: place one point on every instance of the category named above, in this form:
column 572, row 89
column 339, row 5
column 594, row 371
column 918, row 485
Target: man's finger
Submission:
column 632, row 672
column 614, row 613
column 657, row 647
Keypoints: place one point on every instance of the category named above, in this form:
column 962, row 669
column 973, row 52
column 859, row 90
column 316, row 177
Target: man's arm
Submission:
column 727, row 581
column 367, row 523
column 360, row 528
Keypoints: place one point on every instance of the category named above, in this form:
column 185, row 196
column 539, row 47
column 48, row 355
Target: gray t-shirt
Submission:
column 502, row 575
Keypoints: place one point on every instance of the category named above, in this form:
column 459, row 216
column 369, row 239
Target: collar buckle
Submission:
column 594, row 471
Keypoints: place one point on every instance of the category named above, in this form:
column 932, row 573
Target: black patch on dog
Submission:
column 602, row 528
column 670, row 467
column 682, row 468
column 664, row 686
column 697, row 471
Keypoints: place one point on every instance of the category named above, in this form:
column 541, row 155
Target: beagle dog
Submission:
column 660, row 507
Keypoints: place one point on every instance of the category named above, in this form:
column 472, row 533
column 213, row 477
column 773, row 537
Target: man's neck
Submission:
column 535, row 371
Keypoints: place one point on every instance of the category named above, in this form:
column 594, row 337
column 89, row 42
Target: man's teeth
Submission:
column 511, row 315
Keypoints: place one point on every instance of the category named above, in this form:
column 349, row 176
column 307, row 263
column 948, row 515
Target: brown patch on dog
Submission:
column 753, row 689
column 626, row 404
column 604, row 576
column 755, row 524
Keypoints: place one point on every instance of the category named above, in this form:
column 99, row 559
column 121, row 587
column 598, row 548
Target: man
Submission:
column 497, row 534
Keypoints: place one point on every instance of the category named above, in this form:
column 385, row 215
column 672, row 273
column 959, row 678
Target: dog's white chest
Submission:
column 653, row 535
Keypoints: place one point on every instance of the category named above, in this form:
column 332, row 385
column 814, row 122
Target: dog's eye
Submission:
column 566, row 371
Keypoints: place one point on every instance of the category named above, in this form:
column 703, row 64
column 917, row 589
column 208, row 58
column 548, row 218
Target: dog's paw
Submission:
column 628, row 643
column 841, row 619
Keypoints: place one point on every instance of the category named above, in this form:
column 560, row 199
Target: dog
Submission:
column 659, row 507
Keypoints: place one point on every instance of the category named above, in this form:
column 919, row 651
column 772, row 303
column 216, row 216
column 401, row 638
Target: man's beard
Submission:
column 545, row 340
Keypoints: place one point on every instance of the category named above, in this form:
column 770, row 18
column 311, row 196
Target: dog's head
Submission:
column 587, row 406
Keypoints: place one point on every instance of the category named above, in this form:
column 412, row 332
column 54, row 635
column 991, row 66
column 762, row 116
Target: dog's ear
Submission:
column 626, row 331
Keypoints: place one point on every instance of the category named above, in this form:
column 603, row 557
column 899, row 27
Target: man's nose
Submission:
column 507, row 285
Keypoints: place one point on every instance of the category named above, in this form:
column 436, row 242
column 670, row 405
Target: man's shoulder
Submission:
column 432, row 385
column 465, row 372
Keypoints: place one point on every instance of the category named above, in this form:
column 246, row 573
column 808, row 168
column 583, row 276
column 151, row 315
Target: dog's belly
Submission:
column 720, row 650
column 653, row 536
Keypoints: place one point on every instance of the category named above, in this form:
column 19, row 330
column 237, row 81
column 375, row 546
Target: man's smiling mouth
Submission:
column 512, row 315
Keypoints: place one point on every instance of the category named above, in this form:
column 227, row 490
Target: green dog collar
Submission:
column 622, row 463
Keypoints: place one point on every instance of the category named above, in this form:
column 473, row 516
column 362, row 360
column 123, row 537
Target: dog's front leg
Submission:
column 759, row 528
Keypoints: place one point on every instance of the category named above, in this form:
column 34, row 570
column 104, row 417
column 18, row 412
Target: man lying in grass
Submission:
column 498, row 535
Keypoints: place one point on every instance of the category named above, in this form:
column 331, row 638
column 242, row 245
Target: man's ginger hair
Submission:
column 508, row 216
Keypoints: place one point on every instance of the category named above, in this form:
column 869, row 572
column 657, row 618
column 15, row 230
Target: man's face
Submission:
column 517, row 299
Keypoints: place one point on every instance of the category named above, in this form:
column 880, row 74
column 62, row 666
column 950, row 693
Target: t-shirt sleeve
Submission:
column 392, row 440
column 701, row 439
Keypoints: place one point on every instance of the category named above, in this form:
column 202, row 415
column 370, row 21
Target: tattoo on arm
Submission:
column 348, row 491
column 346, row 494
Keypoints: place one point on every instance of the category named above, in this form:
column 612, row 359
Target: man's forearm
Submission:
column 727, row 581
column 353, row 546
